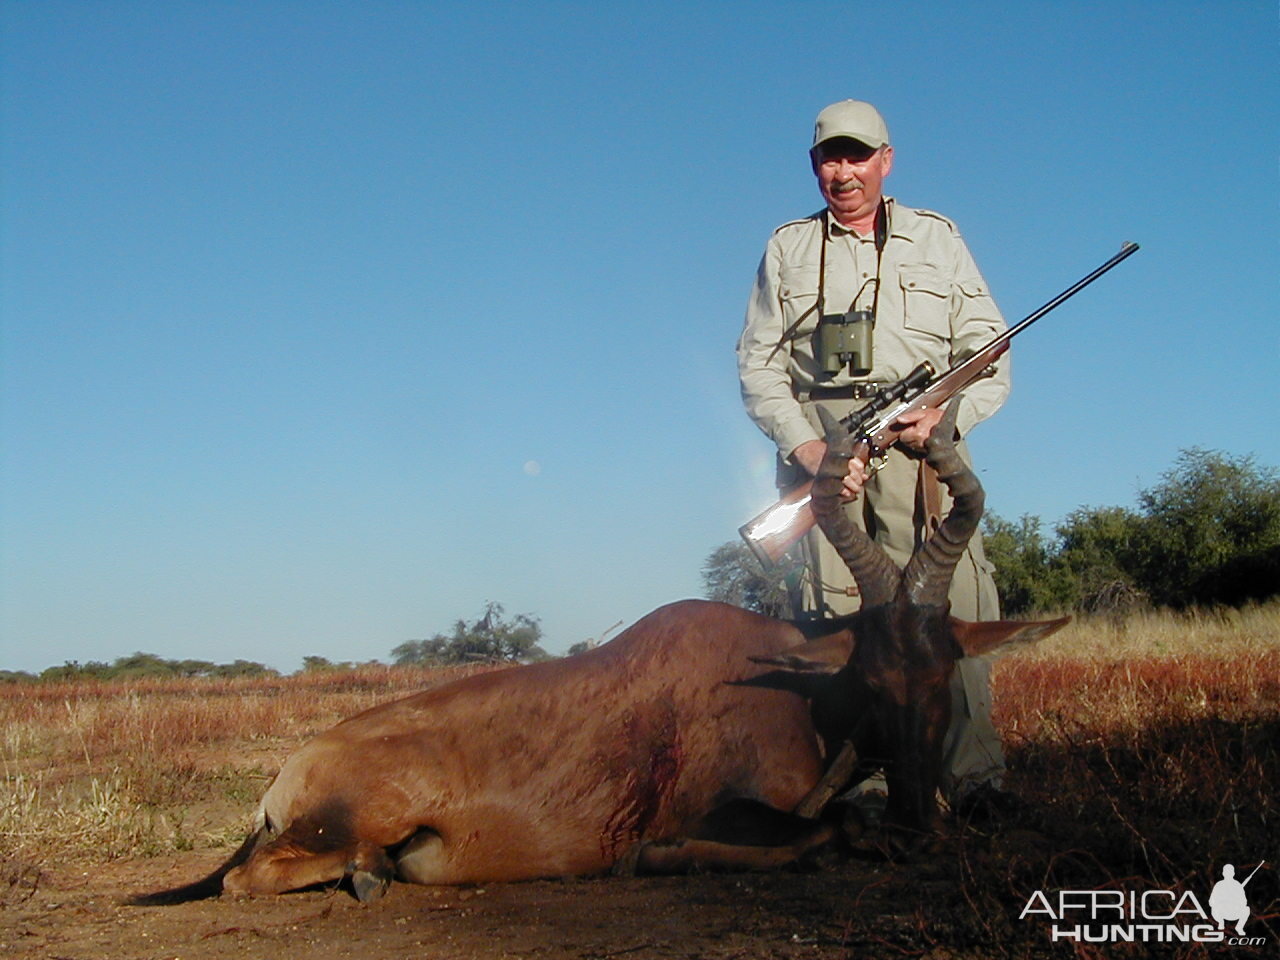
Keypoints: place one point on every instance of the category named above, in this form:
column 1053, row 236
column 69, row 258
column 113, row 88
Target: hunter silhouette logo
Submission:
column 1148, row 916
column 1228, row 902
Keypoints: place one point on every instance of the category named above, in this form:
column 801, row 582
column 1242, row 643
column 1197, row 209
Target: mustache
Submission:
column 847, row 186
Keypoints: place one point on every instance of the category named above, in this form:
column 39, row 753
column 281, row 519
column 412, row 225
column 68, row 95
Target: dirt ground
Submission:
column 859, row 908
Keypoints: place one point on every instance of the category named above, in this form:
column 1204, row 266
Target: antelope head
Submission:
column 890, row 663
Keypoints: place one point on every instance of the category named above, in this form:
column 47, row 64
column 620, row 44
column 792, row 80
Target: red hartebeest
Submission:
column 678, row 743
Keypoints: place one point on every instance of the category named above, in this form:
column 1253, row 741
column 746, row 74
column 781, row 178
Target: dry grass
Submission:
column 96, row 719
column 93, row 771
column 1224, row 632
column 1102, row 680
column 1148, row 749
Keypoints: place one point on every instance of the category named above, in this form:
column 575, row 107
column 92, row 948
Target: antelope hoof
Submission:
column 852, row 824
column 823, row 857
column 369, row 885
column 370, row 872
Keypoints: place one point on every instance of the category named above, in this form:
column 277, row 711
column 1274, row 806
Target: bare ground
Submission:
column 860, row 908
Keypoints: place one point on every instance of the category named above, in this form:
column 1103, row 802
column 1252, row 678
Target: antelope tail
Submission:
column 209, row 887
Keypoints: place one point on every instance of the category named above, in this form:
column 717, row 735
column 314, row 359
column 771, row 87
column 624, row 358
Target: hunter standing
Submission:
column 910, row 273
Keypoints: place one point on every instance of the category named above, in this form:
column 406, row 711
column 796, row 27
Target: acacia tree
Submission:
column 1025, row 577
column 490, row 637
column 732, row 574
column 1099, row 554
column 149, row 665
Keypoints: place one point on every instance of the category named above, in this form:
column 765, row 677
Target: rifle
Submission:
column 772, row 533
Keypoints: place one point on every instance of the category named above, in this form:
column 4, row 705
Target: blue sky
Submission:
column 325, row 323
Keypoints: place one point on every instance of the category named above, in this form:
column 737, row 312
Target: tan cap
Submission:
column 855, row 119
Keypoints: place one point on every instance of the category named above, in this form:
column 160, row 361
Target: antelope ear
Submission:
column 976, row 639
column 825, row 655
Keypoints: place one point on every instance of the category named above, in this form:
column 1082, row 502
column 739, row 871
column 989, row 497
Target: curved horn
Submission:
column 874, row 573
column 927, row 578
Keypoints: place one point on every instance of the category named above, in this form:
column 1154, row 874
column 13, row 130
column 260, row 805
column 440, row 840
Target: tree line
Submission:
column 138, row 666
column 490, row 638
column 1207, row 533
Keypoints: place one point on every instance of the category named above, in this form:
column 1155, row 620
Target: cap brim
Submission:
column 875, row 143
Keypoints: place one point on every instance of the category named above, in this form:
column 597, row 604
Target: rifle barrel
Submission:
column 1126, row 250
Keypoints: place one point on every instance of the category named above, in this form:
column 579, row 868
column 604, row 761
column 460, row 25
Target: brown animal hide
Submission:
column 568, row 767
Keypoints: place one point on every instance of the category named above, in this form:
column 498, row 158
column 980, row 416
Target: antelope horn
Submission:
column 874, row 573
column 927, row 578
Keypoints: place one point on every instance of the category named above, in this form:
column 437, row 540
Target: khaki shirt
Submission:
column 933, row 306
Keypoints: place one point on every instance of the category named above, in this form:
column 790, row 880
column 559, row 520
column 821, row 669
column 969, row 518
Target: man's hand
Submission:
column 809, row 455
column 918, row 425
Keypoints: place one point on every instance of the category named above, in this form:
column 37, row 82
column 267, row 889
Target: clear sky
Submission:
column 324, row 323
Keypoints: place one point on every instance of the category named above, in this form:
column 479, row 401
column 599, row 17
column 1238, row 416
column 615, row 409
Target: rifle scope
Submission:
column 882, row 399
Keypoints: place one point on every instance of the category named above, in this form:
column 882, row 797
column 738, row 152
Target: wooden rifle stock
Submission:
column 772, row 533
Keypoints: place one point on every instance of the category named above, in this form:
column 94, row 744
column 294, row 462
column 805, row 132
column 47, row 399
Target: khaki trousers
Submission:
column 972, row 754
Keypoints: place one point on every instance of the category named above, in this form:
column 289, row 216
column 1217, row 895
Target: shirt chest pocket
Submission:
column 926, row 297
column 798, row 293
column 795, row 281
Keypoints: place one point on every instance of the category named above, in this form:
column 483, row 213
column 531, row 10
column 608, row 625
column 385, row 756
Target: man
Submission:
column 909, row 270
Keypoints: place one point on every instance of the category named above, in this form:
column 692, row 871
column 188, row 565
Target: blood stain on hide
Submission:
column 652, row 752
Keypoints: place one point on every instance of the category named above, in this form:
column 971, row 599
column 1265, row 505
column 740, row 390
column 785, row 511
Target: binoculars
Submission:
column 845, row 339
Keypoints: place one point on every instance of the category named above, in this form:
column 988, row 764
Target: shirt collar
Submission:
column 836, row 230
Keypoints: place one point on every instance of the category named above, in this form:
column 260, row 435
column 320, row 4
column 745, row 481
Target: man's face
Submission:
column 851, row 177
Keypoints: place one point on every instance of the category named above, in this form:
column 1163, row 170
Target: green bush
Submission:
column 1207, row 533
